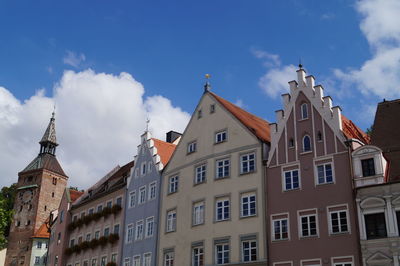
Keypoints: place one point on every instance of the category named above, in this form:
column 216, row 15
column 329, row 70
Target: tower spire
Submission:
column 48, row 143
column 207, row 86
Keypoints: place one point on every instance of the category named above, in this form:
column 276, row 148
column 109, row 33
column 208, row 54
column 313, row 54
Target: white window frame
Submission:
column 147, row 255
column 149, row 225
column 247, row 161
column 136, row 260
column 132, row 199
column 192, row 147
column 304, row 114
column 221, row 136
column 242, row 204
column 142, row 195
column 169, row 258
column 198, row 255
column 303, row 146
column 343, row 260
column 300, row 228
column 338, row 209
column 317, row 181
column 225, row 166
column 173, row 184
column 222, row 252
column 250, row 249
column 171, row 219
column 152, row 190
column 200, row 174
column 284, row 188
column 198, row 213
column 127, row 261
column 225, row 217
column 139, row 230
column 129, row 236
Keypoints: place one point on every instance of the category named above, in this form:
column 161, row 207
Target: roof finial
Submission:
column 300, row 64
column 54, row 112
column 147, row 124
column 207, row 86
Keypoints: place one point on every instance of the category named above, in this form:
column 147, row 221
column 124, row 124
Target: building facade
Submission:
column 212, row 189
column 58, row 221
column 39, row 190
column 95, row 232
column 143, row 199
column 377, row 181
column 311, row 214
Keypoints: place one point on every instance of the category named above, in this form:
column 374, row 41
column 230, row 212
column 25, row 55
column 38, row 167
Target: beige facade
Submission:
column 194, row 227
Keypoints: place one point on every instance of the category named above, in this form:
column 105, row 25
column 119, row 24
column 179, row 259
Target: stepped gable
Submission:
column 258, row 126
column 45, row 161
column 42, row 232
column 351, row 131
column 164, row 150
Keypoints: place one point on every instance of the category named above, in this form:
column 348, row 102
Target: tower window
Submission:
column 28, row 222
column 45, row 207
column 306, row 143
column 54, row 181
column 52, row 194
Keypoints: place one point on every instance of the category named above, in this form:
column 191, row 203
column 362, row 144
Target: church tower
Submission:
column 39, row 190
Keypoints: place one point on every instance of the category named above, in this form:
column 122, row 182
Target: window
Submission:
column 142, row 195
column 54, row 181
column 132, row 199
column 149, row 167
column 343, row 264
column 306, row 143
column 247, row 163
column 147, row 259
column 129, row 233
column 116, row 229
column 55, row 260
column 248, row 205
column 106, row 231
column 304, row 111
column 212, row 108
column 97, row 234
column 114, row 257
column 220, row 136
column 191, row 147
column 222, row 209
column 103, row 261
column 143, row 171
column 139, row 230
column 85, row 263
column 171, row 220
column 222, row 168
column 198, row 256
column 52, row 194
column 291, row 179
column 37, row 260
column 249, row 250
column 88, row 236
column 173, row 184
column 291, row 143
column 325, row 174
column 319, row 136
column 338, row 221
column 149, row 227
column 398, row 220
column 118, row 201
column 80, row 239
column 82, row 215
column 308, row 225
column 127, row 262
column 169, row 258
column 136, row 260
column 198, row 213
column 375, row 225
column 71, row 243
column 94, row 262
column 100, row 208
column 368, row 167
column 280, row 228
column 39, row 244
column 200, row 175
column 199, row 114
column 61, row 216
column 109, row 204
column 222, row 253
column 136, row 172
column 91, row 211
column 152, row 190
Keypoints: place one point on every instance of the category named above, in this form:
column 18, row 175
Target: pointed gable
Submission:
column 258, row 126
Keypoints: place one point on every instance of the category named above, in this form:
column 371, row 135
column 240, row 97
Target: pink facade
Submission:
column 311, row 217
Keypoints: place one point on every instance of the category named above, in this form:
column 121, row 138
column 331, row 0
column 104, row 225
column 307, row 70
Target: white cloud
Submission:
column 380, row 75
column 327, row 16
column 240, row 103
column 99, row 120
column 74, row 59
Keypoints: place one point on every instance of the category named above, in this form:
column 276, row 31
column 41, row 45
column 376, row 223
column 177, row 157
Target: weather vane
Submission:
column 147, row 124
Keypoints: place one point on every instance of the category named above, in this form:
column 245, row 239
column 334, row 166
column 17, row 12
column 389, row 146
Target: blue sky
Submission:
column 250, row 48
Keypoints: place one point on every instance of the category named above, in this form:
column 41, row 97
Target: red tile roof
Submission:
column 351, row 131
column 42, row 232
column 258, row 126
column 75, row 194
column 164, row 149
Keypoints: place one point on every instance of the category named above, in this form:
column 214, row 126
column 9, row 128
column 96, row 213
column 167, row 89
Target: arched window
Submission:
column 304, row 111
column 306, row 143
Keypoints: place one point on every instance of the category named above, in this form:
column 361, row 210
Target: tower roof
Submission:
column 50, row 133
column 45, row 161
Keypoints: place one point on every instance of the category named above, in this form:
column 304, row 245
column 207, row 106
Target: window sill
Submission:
column 188, row 153
column 339, row 233
column 221, row 178
column 195, row 225
column 279, row 240
column 303, row 119
column 216, row 143
column 308, row 237
column 247, row 173
column 249, row 216
column 325, row 184
column 224, row 220
column 293, row 189
column 169, row 232
column 305, row 152
column 200, row 183
column 170, row 193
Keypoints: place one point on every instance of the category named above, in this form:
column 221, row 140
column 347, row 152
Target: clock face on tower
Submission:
column 27, row 196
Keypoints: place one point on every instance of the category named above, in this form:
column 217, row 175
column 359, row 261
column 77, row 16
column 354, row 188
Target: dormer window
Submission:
column 368, row 167
column 304, row 111
column 306, row 143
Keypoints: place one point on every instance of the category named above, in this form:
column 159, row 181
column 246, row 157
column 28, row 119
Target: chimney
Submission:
column 172, row 136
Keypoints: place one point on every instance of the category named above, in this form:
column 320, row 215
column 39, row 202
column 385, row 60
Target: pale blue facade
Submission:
column 142, row 207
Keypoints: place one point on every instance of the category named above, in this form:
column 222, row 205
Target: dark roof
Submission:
column 113, row 181
column 386, row 135
column 258, row 126
column 164, row 149
column 351, row 131
column 45, row 161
